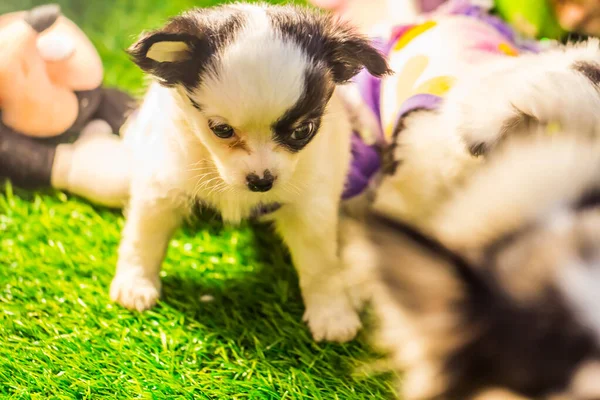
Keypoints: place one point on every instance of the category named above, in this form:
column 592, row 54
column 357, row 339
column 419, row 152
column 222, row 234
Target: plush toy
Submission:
column 57, row 122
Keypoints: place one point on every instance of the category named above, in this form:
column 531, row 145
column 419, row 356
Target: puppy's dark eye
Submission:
column 223, row 131
column 303, row 132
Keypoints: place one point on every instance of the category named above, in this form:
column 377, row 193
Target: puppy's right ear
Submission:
column 347, row 52
column 175, row 54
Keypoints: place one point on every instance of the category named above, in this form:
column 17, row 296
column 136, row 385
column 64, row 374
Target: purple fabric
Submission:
column 366, row 159
column 365, row 163
column 421, row 101
column 370, row 86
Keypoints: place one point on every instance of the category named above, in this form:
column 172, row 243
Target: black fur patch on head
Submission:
column 309, row 108
column 337, row 44
column 205, row 31
column 590, row 70
column 531, row 348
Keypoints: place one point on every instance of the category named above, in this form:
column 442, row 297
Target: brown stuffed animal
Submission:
column 56, row 119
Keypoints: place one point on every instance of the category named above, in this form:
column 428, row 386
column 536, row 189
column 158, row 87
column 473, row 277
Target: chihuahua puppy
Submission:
column 243, row 117
column 501, row 300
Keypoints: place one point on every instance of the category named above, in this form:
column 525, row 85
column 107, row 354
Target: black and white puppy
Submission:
column 243, row 116
column 504, row 303
column 436, row 151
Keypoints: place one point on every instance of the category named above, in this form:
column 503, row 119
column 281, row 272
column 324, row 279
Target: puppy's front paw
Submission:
column 334, row 320
column 135, row 292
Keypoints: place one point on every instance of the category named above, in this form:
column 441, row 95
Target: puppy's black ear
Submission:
column 325, row 38
column 179, row 52
column 174, row 54
column 347, row 52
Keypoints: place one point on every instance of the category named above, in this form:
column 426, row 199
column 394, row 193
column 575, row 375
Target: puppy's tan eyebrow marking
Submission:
column 238, row 143
column 590, row 70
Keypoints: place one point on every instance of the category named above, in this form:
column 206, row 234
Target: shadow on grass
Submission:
column 261, row 302
column 261, row 312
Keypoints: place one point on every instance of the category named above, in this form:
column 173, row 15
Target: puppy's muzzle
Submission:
column 258, row 184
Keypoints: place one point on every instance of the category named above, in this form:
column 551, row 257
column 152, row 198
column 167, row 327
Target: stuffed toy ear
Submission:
column 43, row 17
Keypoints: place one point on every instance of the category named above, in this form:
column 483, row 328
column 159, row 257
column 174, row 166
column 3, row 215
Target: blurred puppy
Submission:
column 244, row 117
column 434, row 151
column 489, row 98
column 504, row 303
column 492, row 295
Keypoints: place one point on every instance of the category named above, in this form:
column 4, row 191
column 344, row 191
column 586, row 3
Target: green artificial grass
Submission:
column 228, row 326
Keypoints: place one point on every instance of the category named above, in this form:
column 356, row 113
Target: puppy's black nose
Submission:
column 258, row 184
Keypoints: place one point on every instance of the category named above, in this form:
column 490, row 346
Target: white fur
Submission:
column 178, row 160
column 518, row 188
column 433, row 162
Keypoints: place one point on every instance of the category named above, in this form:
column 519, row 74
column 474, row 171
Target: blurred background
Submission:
column 113, row 25
column 61, row 338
